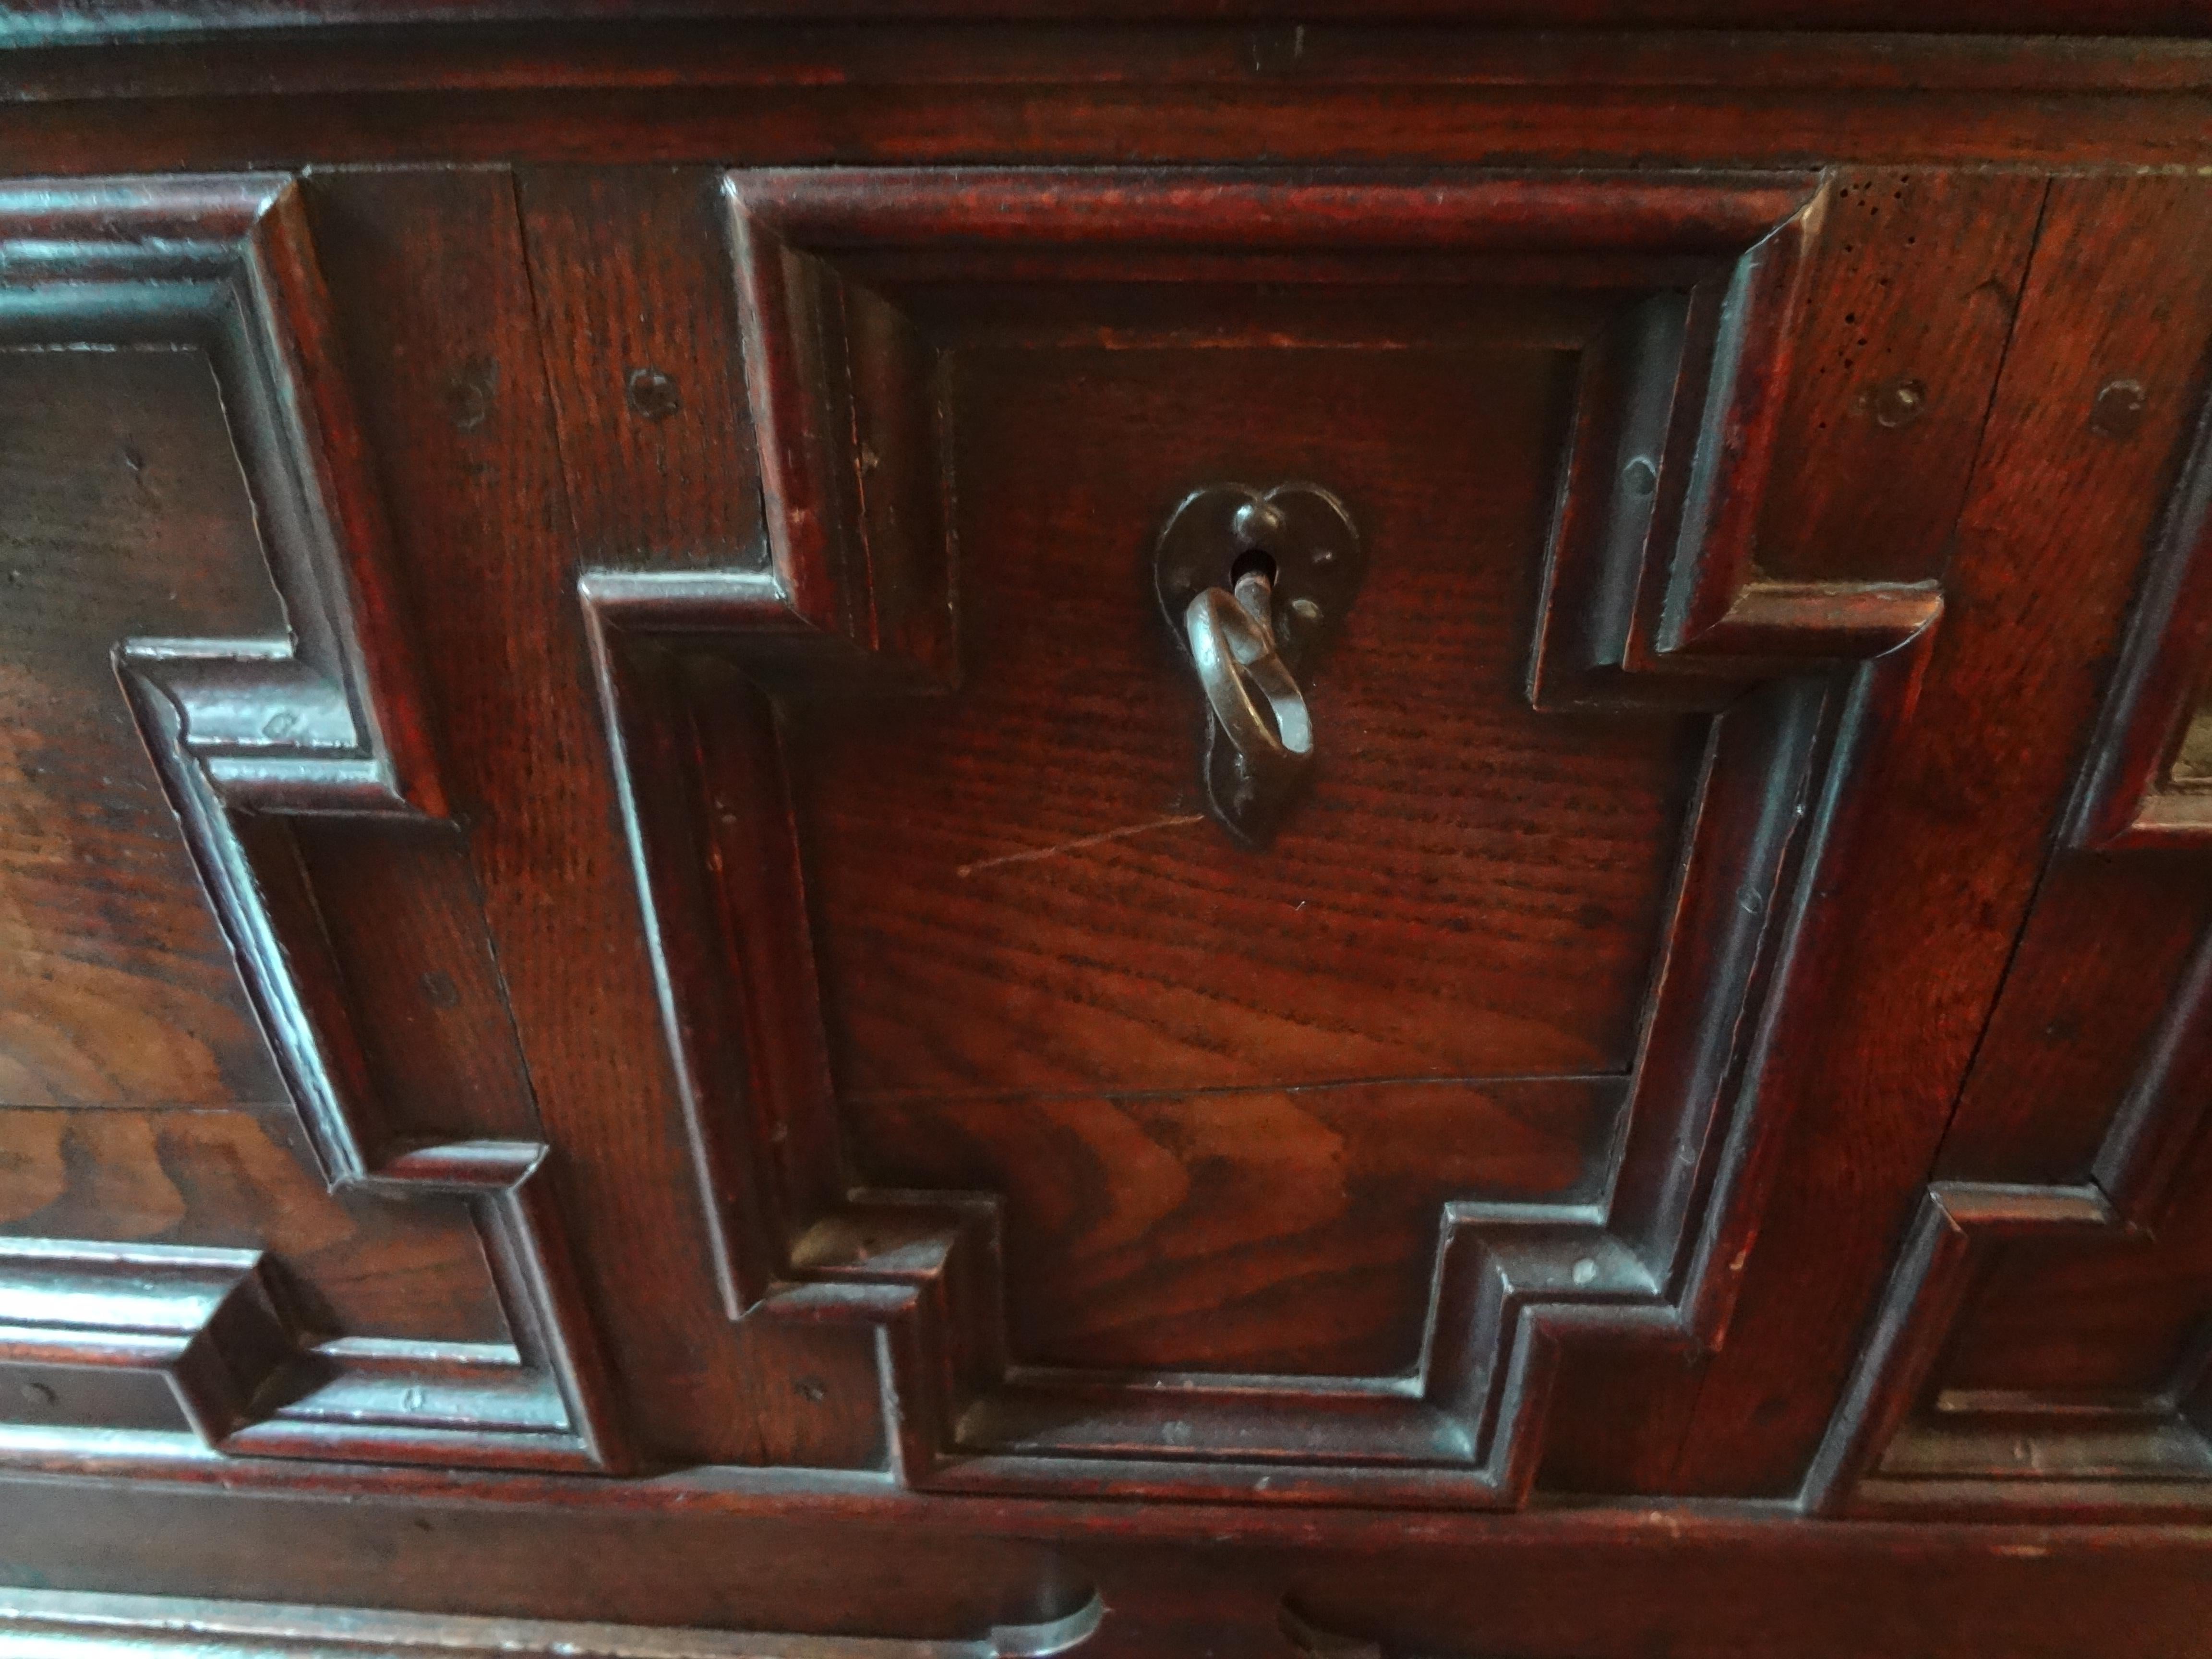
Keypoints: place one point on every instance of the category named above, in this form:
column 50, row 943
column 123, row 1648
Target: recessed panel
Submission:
column 121, row 514
column 1016, row 886
column 1281, row 1231
column 356, row 1265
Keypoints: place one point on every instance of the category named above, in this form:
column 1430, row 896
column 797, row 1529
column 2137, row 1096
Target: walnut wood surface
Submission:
column 1473, row 890
column 2050, row 495
column 1241, row 1230
column 126, row 516
column 781, row 1129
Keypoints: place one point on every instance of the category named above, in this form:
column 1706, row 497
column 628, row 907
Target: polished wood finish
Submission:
column 623, row 1028
column 325, row 719
column 2041, row 1345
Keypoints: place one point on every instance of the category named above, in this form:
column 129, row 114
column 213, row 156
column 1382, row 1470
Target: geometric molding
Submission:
column 1651, row 594
column 1899, row 1441
column 326, row 720
column 62, row 1622
column 1892, row 1444
column 204, row 1320
column 2139, row 790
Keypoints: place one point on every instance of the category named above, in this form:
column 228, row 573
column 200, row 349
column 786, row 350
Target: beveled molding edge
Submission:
column 327, row 720
column 1889, row 1451
column 1651, row 595
column 45, row 1621
column 206, row 1321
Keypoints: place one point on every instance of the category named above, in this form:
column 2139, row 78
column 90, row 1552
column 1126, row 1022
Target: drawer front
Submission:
column 1107, row 830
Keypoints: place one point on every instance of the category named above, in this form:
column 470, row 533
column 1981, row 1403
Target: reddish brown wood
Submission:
column 1719, row 1581
column 325, row 718
column 1247, row 1230
column 228, row 1180
column 2043, row 1344
column 771, row 929
column 1909, row 312
column 443, row 337
column 641, row 361
column 2052, row 495
column 1299, row 90
column 120, row 19
column 121, row 493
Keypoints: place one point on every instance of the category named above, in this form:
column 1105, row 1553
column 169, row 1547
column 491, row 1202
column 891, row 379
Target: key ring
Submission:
column 1234, row 654
column 1254, row 585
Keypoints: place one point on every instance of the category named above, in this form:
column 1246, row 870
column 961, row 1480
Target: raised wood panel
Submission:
column 2044, row 559
column 2041, row 1347
column 1476, row 890
column 351, row 1263
column 125, row 515
column 1253, row 1230
column 475, row 426
column 1012, row 376
column 302, row 701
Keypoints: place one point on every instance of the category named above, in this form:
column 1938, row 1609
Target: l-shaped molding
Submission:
column 245, row 733
column 1652, row 594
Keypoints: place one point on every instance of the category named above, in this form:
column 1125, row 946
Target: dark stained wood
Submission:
column 154, row 1625
column 1295, row 90
column 616, row 1006
column 109, row 19
column 442, row 336
column 1909, row 312
column 325, row 718
column 399, row 909
column 358, row 1265
column 1999, row 725
column 1204, row 1231
column 126, row 516
column 2043, row 1343
column 855, row 324
column 663, row 52
column 1473, row 890
column 2108, row 934
column 642, row 363
column 1714, row 1584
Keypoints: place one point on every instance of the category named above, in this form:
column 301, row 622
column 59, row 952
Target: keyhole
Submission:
column 1252, row 580
column 1252, row 562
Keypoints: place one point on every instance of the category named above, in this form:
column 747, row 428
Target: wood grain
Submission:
column 433, row 289
column 1283, row 1230
column 125, row 515
column 361, row 1264
column 642, row 360
column 1471, row 890
column 1909, row 312
column 2010, row 698
column 1057, row 1010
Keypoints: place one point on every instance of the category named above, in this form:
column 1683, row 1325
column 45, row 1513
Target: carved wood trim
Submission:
column 1892, row 1446
column 207, row 1321
column 1651, row 594
column 2129, row 798
column 329, row 719
column 174, row 1627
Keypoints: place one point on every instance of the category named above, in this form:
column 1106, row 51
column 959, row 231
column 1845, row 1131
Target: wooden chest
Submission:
column 1179, row 831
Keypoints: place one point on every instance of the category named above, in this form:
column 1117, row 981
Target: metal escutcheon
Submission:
column 1254, row 585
